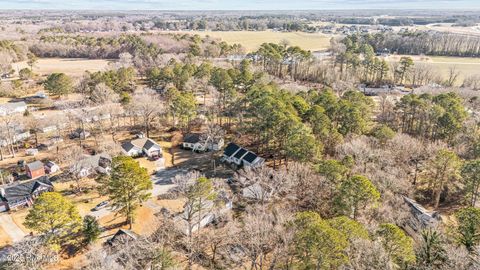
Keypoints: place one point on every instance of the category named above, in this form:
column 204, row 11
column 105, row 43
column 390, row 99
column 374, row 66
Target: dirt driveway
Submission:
column 15, row 233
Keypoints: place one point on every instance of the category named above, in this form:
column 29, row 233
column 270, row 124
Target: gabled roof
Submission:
column 122, row 235
column 25, row 189
column 250, row 157
column 149, row 144
column 240, row 153
column 36, row 165
column 144, row 143
column 90, row 162
column 192, row 138
column 127, row 146
column 230, row 149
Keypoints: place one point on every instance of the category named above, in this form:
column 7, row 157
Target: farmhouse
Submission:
column 35, row 169
column 240, row 156
column 12, row 108
column 196, row 142
column 23, row 194
column 142, row 146
column 99, row 163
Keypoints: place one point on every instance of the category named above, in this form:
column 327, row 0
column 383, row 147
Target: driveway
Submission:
column 13, row 231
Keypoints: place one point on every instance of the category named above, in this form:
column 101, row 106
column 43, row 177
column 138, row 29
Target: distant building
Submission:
column 239, row 156
column 35, row 169
column 12, row 108
column 23, row 194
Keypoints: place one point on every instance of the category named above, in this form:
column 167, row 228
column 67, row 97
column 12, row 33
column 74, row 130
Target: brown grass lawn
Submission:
column 174, row 206
column 144, row 224
column 69, row 66
column 251, row 40
column 467, row 66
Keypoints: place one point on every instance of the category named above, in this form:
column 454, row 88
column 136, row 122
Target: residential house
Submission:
column 99, row 163
column 23, row 194
column 421, row 218
column 12, row 108
column 240, row 156
column 122, row 236
column 48, row 129
column 200, row 143
column 35, row 169
column 19, row 136
column 142, row 146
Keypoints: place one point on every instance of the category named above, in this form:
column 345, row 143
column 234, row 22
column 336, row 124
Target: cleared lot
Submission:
column 69, row 66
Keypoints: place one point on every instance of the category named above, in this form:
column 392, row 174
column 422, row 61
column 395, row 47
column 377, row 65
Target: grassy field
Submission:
column 252, row 40
column 69, row 66
column 466, row 66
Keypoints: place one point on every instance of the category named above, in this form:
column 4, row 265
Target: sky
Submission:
column 238, row 4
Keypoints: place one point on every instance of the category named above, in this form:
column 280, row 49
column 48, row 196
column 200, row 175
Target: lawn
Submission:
column 251, row 40
column 465, row 65
column 69, row 66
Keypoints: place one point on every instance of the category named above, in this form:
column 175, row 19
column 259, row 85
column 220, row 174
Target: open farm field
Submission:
column 251, row 40
column 69, row 66
column 465, row 65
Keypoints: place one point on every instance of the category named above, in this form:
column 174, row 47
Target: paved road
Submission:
column 13, row 231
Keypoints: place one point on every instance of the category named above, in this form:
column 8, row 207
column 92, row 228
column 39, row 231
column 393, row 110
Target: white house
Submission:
column 197, row 142
column 99, row 163
column 142, row 146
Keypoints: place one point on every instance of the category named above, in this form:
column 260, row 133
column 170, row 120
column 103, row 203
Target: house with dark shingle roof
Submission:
column 122, row 236
column 240, row 156
column 142, row 146
column 23, row 194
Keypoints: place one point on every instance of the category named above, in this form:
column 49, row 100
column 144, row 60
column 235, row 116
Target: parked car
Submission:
column 100, row 206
